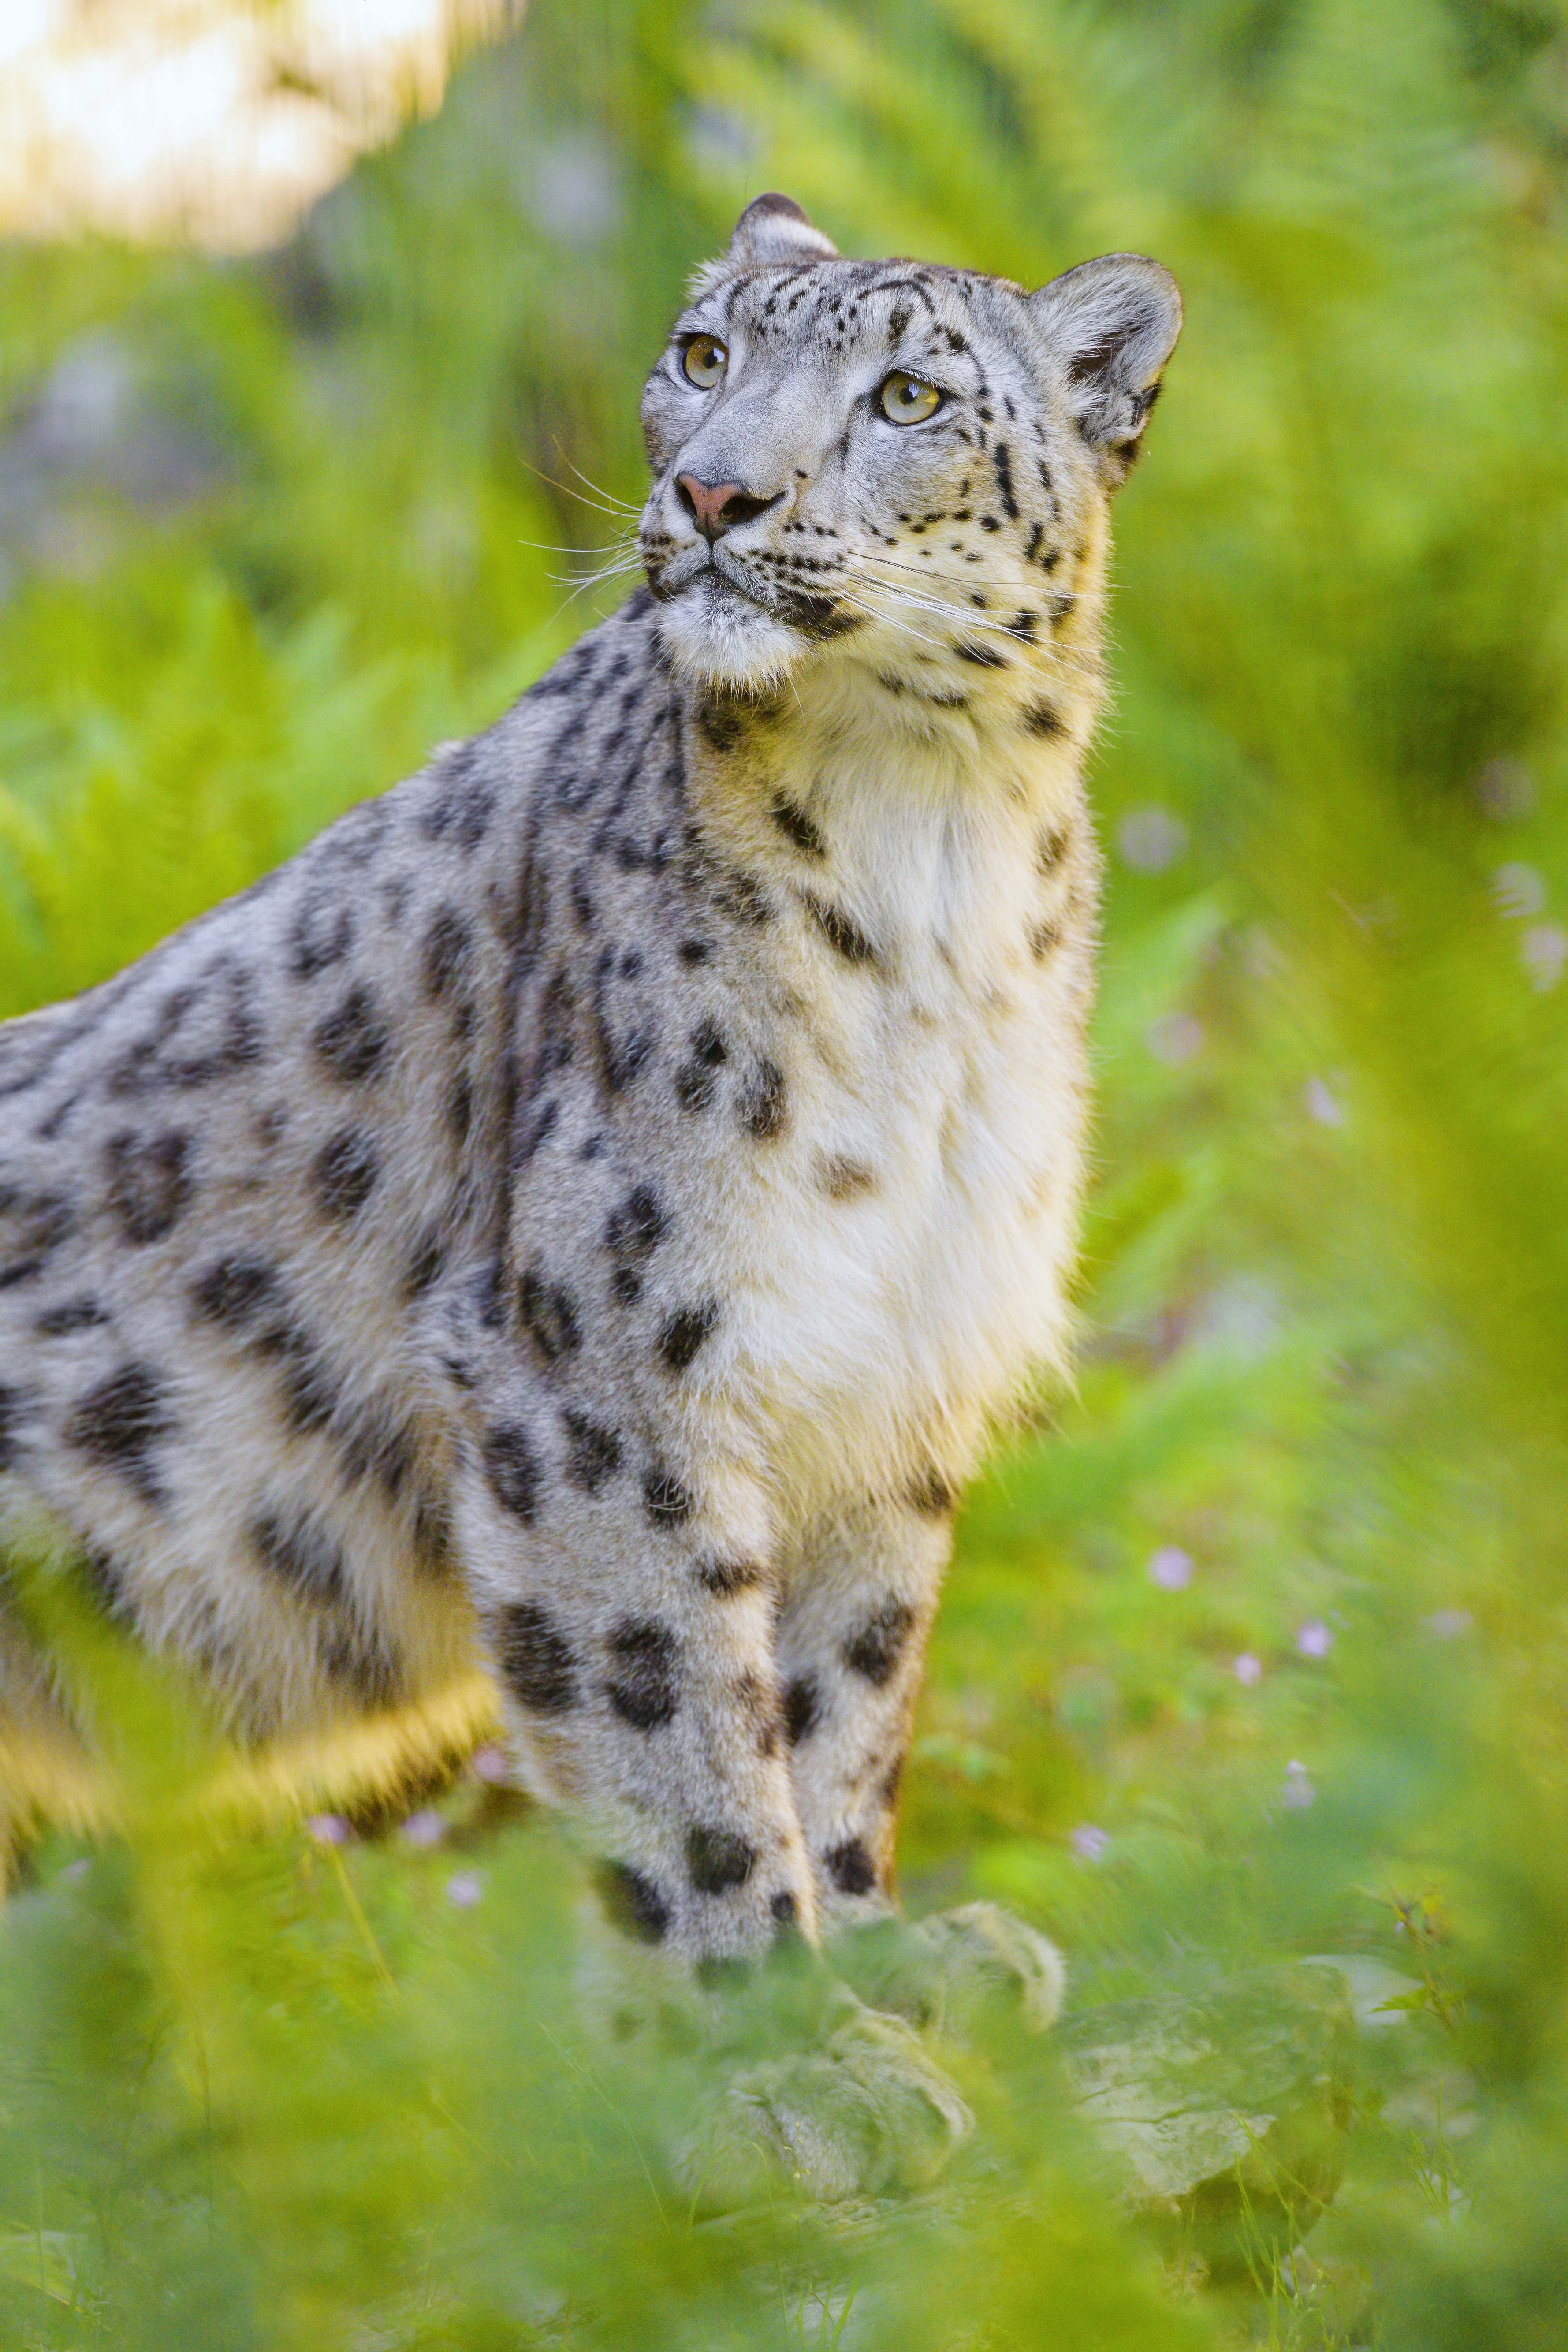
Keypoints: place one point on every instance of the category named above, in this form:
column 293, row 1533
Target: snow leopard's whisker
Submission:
column 617, row 568
column 874, row 555
column 549, row 547
column 625, row 506
column 1067, row 658
column 890, row 611
column 893, row 618
column 615, row 508
column 970, row 617
column 581, row 587
column 896, row 591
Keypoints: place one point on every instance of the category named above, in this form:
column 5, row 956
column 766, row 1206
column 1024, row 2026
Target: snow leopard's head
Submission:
column 895, row 463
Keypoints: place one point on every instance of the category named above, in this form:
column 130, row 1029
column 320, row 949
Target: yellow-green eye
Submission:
column 703, row 362
column 907, row 401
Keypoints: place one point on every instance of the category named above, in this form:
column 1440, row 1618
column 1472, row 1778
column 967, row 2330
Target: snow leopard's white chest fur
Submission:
column 903, row 1257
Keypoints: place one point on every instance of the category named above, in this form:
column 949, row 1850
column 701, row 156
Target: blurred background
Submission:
column 321, row 331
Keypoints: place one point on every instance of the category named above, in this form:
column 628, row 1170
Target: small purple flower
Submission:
column 1175, row 1039
column 489, row 1765
column 1517, row 891
column 425, row 1828
column 1089, row 1843
column 1297, row 1792
column 1171, row 1569
column 465, row 1889
column 1247, row 1670
column 1323, row 1104
column 1544, row 951
column 328, row 1828
column 1150, row 839
column 1314, row 1640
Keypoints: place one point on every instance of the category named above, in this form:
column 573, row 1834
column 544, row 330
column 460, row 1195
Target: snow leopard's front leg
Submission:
column 624, row 1586
column 858, row 1598
column 858, row 1603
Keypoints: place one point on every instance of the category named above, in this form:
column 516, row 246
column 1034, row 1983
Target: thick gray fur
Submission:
column 591, row 1201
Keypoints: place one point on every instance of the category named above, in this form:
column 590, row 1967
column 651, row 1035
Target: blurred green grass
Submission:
column 272, row 528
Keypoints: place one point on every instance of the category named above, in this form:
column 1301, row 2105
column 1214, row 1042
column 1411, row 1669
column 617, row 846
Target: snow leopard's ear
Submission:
column 1113, row 323
column 773, row 228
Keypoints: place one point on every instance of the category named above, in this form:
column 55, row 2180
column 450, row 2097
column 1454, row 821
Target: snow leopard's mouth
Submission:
column 722, row 627
column 720, row 584
column 712, row 572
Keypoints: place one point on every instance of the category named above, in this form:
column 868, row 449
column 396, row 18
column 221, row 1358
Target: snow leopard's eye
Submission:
column 703, row 362
column 908, row 400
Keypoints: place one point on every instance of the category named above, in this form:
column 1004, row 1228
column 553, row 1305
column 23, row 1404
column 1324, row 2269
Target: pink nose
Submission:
column 717, row 507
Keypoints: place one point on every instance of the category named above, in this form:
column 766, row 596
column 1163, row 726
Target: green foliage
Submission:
column 272, row 529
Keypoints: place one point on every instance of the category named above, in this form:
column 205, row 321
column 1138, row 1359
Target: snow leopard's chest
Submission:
column 858, row 1135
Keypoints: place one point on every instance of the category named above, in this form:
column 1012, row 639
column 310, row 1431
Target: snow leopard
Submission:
column 550, row 1255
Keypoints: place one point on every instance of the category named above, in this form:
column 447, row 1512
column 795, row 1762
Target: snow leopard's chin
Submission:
column 717, row 636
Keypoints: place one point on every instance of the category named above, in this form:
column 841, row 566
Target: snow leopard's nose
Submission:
column 718, row 506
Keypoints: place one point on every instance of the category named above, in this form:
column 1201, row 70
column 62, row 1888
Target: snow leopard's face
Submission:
column 907, row 462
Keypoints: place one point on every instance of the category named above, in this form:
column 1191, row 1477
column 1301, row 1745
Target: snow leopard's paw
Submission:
column 863, row 2112
column 945, row 1972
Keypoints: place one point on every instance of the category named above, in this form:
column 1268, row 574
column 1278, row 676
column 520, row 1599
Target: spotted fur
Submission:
column 555, row 1246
